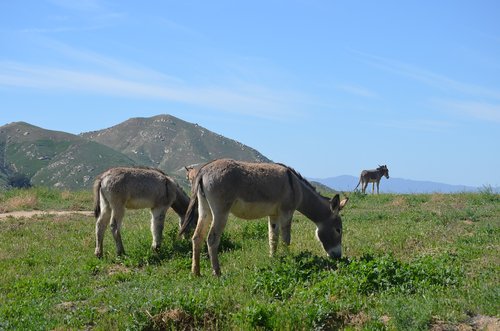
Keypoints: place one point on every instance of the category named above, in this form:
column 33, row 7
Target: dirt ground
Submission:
column 31, row 213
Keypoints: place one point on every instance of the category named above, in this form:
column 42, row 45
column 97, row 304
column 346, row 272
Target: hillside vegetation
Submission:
column 412, row 262
column 170, row 143
column 70, row 162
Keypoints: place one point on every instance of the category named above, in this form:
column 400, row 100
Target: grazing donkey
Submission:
column 255, row 190
column 372, row 176
column 134, row 188
column 191, row 172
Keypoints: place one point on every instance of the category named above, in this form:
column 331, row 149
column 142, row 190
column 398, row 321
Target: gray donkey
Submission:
column 123, row 188
column 255, row 190
column 372, row 176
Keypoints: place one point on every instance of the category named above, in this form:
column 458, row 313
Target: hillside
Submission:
column 170, row 143
column 53, row 158
column 59, row 159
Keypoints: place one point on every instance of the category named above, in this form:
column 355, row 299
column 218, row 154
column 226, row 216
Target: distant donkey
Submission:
column 372, row 176
column 191, row 172
column 135, row 188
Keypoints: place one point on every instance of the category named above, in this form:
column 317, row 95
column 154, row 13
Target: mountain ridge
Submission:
column 67, row 161
column 152, row 141
column 397, row 185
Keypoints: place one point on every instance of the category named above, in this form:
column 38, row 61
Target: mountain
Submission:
column 53, row 158
column 67, row 161
column 394, row 185
column 170, row 143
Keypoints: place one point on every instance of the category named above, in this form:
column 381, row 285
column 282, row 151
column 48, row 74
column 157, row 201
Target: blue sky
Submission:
column 327, row 87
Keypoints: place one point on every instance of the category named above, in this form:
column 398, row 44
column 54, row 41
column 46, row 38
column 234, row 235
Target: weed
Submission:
column 412, row 262
column 254, row 230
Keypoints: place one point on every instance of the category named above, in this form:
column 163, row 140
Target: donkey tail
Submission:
column 358, row 183
column 97, row 197
column 192, row 210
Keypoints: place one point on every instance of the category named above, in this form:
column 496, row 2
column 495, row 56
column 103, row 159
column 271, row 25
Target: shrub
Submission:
column 19, row 180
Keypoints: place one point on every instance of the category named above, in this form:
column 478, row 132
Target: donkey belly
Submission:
column 139, row 203
column 253, row 210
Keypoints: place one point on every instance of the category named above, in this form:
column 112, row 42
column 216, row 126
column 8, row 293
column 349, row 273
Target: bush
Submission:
column 19, row 180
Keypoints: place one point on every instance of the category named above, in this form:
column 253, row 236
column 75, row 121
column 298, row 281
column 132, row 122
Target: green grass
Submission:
column 411, row 261
column 42, row 198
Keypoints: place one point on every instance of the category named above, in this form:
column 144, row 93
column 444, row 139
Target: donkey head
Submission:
column 191, row 173
column 384, row 170
column 329, row 231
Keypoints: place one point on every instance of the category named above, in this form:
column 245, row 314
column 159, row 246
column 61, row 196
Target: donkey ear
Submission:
column 335, row 203
column 343, row 203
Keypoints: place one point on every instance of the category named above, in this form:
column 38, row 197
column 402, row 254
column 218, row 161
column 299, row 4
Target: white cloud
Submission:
column 240, row 98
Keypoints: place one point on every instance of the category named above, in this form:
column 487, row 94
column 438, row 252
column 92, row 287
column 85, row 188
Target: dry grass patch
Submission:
column 475, row 323
column 399, row 202
column 174, row 319
column 25, row 201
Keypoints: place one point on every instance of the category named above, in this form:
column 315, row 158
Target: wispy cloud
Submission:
column 479, row 110
column 430, row 78
column 356, row 90
column 418, row 125
column 79, row 16
column 463, row 100
column 104, row 63
column 248, row 99
column 80, row 5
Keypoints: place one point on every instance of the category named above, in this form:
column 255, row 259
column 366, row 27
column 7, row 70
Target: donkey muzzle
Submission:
column 335, row 252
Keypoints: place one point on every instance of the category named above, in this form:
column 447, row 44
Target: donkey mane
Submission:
column 151, row 168
column 299, row 176
column 295, row 172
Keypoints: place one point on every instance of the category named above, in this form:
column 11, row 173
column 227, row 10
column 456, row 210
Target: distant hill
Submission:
column 170, row 143
column 53, row 158
column 67, row 161
column 395, row 185
column 323, row 189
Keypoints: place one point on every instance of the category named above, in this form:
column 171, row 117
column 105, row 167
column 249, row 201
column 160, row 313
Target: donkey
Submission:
column 191, row 172
column 135, row 188
column 372, row 176
column 254, row 190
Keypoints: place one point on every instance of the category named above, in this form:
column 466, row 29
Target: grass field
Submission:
column 412, row 262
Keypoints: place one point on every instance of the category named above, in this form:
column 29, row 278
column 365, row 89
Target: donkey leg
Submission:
column 286, row 229
column 157, row 225
column 204, row 220
column 100, row 228
column 274, row 233
column 213, row 241
column 116, row 223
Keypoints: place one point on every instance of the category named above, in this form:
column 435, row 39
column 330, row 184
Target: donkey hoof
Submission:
column 196, row 272
column 98, row 254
